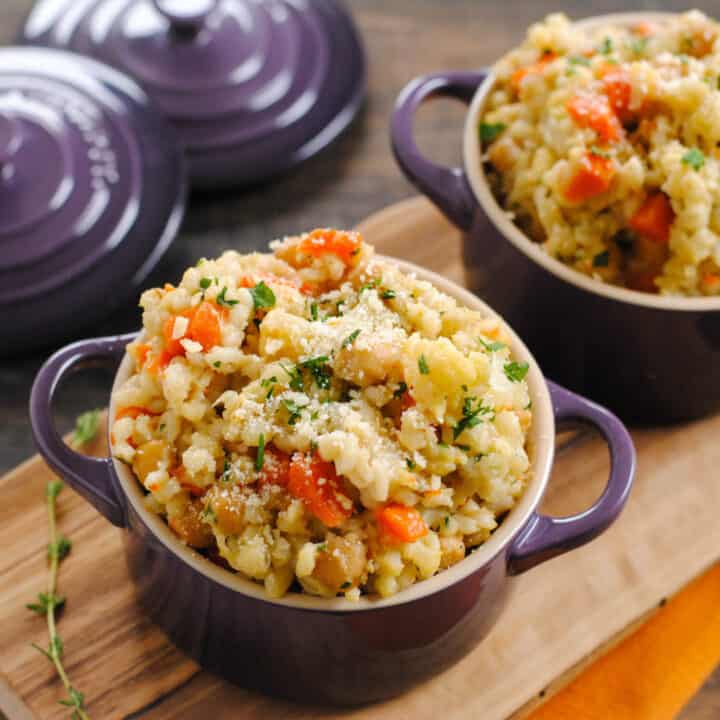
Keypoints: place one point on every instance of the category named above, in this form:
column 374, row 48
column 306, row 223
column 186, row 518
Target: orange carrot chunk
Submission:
column 618, row 90
column 536, row 68
column 204, row 326
column 595, row 112
column 316, row 483
column 593, row 177
column 133, row 412
column 172, row 347
column 654, row 218
column 710, row 282
column 400, row 524
column 326, row 241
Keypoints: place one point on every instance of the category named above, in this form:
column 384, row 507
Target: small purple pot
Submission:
column 333, row 650
column 650, row 358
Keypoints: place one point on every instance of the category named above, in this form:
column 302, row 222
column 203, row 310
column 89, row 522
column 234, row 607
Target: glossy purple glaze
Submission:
column 649, row 365
column 310, row 654
column 252, row 87
column 91, row 191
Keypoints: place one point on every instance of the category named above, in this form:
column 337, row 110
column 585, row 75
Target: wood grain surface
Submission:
column 347, row 182
column 561, row 615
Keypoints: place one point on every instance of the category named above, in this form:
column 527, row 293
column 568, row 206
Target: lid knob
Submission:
column 186, row 16
column 9, row 137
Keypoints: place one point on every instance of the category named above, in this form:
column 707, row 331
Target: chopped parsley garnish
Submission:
column 491, row 347
column 400, row 390
column 606, row 46
column 314, row 311
column 260, row 457
column 319, row 370
column 515, row 371
column 217, row 364
column 423, row 366
column 269, row 383
column 223, row 301
column 694, row 158
column 322, row 547
column 369, row 285
column 296, row 379
column 294, row 410
column 464, row 448
column 226, row 471
column 86, row 428
column 350, row 339
column 595, row 150
column 472, row 416
column 388, row 294
column 262, row 295
column 490, row 131
column 602, row 259
column 447, row 520
column 579, row 60
column 410, row 464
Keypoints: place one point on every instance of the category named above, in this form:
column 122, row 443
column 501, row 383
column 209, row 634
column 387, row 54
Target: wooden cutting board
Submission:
column 561, row 616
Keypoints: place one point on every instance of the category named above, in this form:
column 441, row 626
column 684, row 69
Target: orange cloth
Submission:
column 655, row 671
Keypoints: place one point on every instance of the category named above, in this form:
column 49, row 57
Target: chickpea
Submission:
column 341, row 564
column 190, row 528
column 148, row 456
column 229, row 511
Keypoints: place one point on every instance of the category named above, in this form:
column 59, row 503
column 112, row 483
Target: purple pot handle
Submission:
column 545, row 537
column 447, row 187
column 93, row 478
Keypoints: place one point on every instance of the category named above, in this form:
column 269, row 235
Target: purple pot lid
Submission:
column 252, row 86
column 91, row 185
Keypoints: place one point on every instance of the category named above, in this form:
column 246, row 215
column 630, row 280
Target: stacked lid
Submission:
column 253, row 87
column 93, row 160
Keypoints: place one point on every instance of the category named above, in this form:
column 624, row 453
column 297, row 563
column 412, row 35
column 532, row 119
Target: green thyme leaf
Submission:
column 86, row 428
column 423, row 366
column 262, row 295
column 59, row 549
column 694, row 158
column 53, row 488
column 516, row 372
column 260, row 457
column 350, row 339
column 493, row 346
column 223, row 301
column 602, row 259
column 490, row 131
column 314, row 311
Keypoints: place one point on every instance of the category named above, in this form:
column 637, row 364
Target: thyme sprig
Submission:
column 58, row 549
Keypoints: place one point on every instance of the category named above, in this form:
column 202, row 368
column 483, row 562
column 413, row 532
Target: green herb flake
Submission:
column 370, row 285
column 350, row 339
column 227, row 470
column 579, row 60
column 296, row 379
column 491, row 131
column 294, row 411
column 388, row 294
column 262, row 295
column 347, row 584
column 208, row 514
column 599, row 152
column 464, row 448
column 205, row 283
column 223, row 301
column 493, row 346
column 515, row 371
column 606, row 46
column 410, row 464
column 217, row 364
column 400, row 390
column 318, row 367
column 423, row 366
column 314, row 311
column 322, row 547
column 86, row 428
column 602, row 259
column 694, row 158
column 260, row 457
column 472, row 416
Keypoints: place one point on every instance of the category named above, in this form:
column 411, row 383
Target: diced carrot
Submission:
column 643, row 29
column 159, row 362
column 172, row 346
column 618, row 89
column 316, row 483
column 275, row 469
column 654, row 218
column 710, row 282
column 400, row 524
column 593, row 177
column 133, row 412
column 139, row 353
column 535, row 69
column 325, row 241
column 204, row 326
column 594, row 112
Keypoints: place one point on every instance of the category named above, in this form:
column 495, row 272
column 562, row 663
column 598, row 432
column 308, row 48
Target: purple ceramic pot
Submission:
column 333, row 650
column 650, row 358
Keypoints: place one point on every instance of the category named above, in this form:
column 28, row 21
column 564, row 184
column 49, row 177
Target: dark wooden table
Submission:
column 350, row 180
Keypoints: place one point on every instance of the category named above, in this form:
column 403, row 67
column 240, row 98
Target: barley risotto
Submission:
column 602, row 142
column 316, row 419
